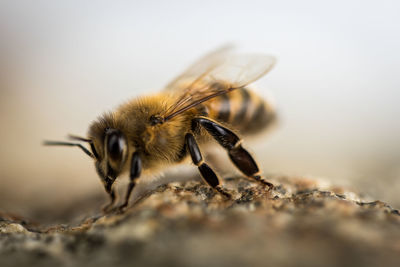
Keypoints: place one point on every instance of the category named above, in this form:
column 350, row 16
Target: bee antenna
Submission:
column 75, row 137
column 57, row 143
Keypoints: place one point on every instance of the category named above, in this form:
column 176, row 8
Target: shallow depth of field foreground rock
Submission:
column 187, row 224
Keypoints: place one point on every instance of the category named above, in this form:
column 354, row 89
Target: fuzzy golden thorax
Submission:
column 158, row 144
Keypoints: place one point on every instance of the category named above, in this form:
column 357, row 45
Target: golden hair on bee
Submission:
column 210, row 100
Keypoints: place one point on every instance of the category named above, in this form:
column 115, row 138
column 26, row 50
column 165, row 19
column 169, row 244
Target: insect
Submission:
column 206, row 102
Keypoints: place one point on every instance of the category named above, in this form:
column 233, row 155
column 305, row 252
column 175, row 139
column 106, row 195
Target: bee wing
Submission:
column 214, row 58
column 215, row 74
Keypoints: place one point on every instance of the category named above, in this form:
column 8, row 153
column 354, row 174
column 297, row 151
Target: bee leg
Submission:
column 206, row 172
column 232, row 143
column 111, row 192
column 136, row 169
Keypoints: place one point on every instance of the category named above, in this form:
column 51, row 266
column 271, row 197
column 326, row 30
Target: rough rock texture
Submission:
column 188, row 224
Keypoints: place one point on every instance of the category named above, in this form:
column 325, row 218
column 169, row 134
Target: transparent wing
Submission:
column 201, row 66
column 217, row 73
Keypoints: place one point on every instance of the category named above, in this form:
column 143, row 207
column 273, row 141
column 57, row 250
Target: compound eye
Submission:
column 115, row 146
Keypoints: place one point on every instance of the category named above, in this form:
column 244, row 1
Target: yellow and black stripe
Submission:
column 242, row 109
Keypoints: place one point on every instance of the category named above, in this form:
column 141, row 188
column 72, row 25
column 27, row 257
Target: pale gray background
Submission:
column 336, row 84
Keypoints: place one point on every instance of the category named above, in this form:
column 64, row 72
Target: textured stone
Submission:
column 301, row 222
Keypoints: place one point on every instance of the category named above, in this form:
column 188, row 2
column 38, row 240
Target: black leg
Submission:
column 111, row 192
column 232, row 143
column 136, row 169
column 108, row 186
column 206, row 172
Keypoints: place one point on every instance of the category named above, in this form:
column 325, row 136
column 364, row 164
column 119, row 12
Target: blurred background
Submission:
column 63, row 63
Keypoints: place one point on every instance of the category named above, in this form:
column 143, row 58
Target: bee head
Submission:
column 109, row 149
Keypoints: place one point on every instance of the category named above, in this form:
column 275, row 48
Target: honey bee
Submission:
column 210, row 100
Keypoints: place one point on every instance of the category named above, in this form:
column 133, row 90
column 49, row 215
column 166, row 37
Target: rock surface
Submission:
column 299, row 223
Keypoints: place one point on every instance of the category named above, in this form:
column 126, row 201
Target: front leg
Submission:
column 206, row 172
column 135, row 171
column 111, row 192
column 232, row 143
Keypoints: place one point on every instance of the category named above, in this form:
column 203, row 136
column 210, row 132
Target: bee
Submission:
column 210, row 100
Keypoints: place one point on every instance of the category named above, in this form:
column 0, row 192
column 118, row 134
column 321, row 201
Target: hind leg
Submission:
column 232, row 143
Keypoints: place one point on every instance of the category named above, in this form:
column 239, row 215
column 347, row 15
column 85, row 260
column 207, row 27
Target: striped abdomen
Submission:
column 243, row 110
